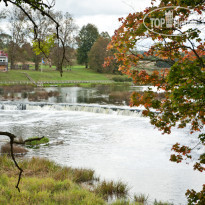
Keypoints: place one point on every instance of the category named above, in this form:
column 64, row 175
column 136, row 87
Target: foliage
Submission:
column 67, row 32
column 196, row 198
column 44, row 9
column 163, row 64
column 34, row 4
column 122, row 79
column 44, row 46
column 97, row 55
column 183, row 84
column 85, row 40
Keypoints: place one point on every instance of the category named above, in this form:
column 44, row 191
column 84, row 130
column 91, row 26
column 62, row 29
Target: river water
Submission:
column 117, row 145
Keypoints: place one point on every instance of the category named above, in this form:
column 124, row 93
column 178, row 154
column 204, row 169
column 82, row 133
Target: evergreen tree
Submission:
column 86, row 38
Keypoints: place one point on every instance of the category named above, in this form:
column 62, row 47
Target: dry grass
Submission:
column 6, row 149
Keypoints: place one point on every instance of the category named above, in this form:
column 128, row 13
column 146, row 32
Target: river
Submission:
column 118, row 143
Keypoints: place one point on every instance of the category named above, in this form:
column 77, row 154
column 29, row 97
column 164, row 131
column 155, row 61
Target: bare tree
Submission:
column 45, row 27
column 67, row 32
column 17, row 20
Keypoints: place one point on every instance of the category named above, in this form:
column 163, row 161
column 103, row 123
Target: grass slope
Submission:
column 76, row 73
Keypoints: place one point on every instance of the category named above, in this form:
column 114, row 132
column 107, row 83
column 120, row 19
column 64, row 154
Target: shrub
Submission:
column 122, row 79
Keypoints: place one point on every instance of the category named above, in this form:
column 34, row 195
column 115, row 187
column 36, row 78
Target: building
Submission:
column 3, row 61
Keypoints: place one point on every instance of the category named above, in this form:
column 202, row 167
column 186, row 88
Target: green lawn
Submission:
column 49, row 74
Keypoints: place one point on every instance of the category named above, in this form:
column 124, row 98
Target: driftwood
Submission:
column 12, row 141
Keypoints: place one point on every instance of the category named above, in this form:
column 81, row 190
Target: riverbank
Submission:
column 44, row 182
column 76, row 73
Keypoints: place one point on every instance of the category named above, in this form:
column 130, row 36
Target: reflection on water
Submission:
column 100, row 94
column 117, row 147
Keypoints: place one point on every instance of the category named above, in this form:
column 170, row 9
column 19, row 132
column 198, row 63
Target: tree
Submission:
column 183, row 83
column 4, row 41
column 2, row 16
column 45, row 28
column 98, row 53
column 26, row 53
column 86, row 38
column 45, row 10
column 67, row 33
column 17, row 20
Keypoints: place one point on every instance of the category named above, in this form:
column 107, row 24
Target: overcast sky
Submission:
column 103, row 13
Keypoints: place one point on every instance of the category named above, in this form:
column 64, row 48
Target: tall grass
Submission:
column 141, row 199
column 111, row 189
column 46, row 183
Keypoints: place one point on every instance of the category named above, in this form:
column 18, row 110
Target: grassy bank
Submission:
column 47, row 74
column 44, row 182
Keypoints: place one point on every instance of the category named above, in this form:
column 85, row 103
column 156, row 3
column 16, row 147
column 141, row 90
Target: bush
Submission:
column 122, row 79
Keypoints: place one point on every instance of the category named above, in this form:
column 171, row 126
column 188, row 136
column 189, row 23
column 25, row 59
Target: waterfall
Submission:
column 95, row 108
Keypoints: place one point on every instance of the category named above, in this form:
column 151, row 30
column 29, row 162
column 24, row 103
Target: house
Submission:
column 3, row 61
